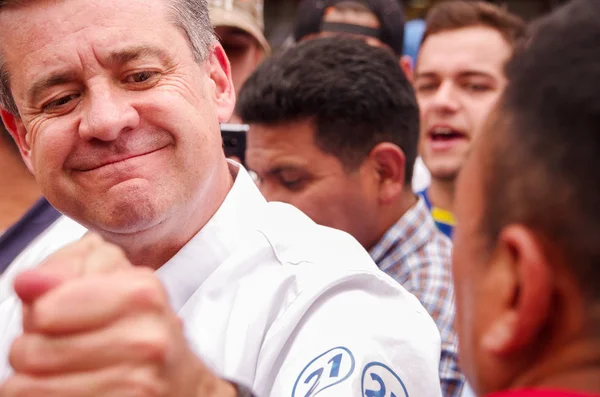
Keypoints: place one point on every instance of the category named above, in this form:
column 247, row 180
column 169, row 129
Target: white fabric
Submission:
column 61, row 232
column 421, row 176
column 467, row 391
column 275, row 302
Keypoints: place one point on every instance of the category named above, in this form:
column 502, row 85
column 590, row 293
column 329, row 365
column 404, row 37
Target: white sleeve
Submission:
column 10, row 329
column 363, row 337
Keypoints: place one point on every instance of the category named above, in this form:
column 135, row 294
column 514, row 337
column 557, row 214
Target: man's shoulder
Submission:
column 60, row 233
column 299, row 242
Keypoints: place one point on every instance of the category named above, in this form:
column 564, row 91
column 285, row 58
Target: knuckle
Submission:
column 146, row 383
column 153, row 343
column 16, row 386
column 147, row 292
column 23, row 355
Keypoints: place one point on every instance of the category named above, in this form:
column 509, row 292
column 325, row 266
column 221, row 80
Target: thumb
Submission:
column 31, row 285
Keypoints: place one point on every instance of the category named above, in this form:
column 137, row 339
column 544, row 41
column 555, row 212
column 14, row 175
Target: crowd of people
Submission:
column 414, row 215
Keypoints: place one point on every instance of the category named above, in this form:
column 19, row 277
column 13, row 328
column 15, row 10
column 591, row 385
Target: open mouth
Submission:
column 445, row 134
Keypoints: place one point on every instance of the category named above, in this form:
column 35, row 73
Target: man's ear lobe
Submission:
column 220, row 74
column 407, row 65
column 390, row 163
column 526, row 292
column 17, row 130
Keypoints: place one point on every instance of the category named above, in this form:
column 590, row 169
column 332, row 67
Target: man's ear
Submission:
column 523, row 278
column 406, row 63
column 220, row 74
column 17, row 130
column 390, row 164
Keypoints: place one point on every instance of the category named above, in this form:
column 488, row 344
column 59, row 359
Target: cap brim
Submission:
column 234, row 19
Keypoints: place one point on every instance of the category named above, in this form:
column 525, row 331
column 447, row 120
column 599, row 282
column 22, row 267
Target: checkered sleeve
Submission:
column 431, row 279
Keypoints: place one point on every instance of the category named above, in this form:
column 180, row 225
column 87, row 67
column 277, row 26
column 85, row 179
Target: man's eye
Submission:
column 295, row 183
column 473, row 87
column 60, row 102
column 140, row 77
column 426, row 87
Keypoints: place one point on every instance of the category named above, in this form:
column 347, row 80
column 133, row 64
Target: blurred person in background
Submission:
column 458, row 79
column 239, row 26
column 526, row 256
column 337, row 138
column 379, row 23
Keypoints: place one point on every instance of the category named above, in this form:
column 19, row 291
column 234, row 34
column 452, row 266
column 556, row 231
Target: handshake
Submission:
column 95, row 325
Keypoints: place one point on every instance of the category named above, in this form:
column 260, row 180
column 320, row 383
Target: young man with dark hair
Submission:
column 337, row 138
column 458, row 79
column 526, row 256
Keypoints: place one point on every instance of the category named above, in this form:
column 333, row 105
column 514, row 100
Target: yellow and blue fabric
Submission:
column 444, row 219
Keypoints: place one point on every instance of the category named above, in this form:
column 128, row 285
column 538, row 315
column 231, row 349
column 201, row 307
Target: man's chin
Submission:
column 444, row 172
column 124, row 218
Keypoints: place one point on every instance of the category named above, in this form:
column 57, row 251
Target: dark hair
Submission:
column 543, row 166
column 457, row 14
column 356, row 95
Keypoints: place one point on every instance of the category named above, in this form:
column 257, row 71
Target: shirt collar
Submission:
column 193, row 264
column 410, row 233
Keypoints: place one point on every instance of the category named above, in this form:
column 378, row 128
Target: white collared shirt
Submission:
column 273, row 301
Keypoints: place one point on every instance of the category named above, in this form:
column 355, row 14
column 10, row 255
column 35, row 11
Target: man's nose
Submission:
column 445, row 98
column 107, row 113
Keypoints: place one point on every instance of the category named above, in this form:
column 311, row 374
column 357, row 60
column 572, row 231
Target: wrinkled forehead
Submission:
column 41, row 35
column 32, row 28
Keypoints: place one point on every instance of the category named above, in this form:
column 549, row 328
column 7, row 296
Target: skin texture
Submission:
column 521, row 317
column 458, row 80
column 291, row 168
column 120, row 126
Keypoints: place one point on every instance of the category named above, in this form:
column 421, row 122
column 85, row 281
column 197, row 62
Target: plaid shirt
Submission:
column 418, row 256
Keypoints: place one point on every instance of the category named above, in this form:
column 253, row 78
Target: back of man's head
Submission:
column 532, row 250
column 549, row 156
column 356, row 95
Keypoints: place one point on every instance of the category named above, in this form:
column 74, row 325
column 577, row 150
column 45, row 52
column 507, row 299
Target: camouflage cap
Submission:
column 247, row 15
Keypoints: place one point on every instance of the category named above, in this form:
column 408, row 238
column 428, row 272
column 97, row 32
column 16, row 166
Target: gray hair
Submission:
column 191, row 16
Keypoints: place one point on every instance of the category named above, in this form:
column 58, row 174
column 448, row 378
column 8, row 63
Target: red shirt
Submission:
column 541, row 393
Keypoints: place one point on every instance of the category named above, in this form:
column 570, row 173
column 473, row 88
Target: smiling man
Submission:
column 458, row 79
column 115, row 106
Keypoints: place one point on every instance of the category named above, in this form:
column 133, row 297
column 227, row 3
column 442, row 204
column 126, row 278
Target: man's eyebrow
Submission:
column 426, row 75
column 278, row 169
column 47, row 81
column 462, row 74
column 117, row 57
column 134, row 53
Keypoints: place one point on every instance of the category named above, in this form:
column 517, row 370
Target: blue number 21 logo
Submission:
column 327, row 370
column 378, row 380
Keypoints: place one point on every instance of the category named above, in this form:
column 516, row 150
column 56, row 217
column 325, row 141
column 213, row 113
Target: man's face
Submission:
column 118, row 122
column 244, row 53
column 292, row 169
column 459, row 77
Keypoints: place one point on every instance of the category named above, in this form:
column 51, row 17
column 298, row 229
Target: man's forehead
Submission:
column 51, row 34
column 455, row 51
